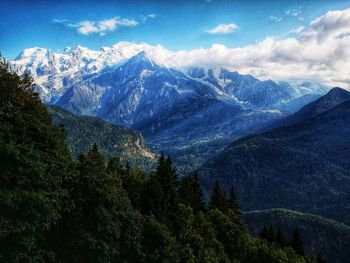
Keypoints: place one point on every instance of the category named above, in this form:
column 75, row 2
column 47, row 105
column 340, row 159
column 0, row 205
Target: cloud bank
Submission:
column 318, row 52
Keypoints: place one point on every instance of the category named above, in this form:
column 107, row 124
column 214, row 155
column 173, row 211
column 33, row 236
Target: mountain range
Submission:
column 191, row 113
column 301, row 165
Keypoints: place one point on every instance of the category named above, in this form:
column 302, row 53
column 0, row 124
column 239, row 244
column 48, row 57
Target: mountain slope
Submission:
column 303, row 167
column 320, row 235
column 171, row 110
column 113, row 140
column 333, row 98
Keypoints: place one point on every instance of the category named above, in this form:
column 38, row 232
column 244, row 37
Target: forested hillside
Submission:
column 320, row 235
column 303, row 167
column 113, row 140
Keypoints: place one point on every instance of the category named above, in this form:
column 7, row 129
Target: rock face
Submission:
column 190, row 113
column 303, row 167
column 320, row 235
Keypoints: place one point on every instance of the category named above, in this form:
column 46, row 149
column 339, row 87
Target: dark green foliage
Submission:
column 105, row 226
column 112, row 140
column 217, row 199
column 191, row 194
column 297, row 244
column 280, row 238
column 158, row 244
column 267, row 234
column 232, row 202
column 320, row 235
column 161, row 196
column 34, row 163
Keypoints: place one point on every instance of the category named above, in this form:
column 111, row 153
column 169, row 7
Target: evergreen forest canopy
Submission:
column 54, row 209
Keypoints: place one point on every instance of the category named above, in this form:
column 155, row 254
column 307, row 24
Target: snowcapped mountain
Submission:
column 54, row 72
column 175, row 109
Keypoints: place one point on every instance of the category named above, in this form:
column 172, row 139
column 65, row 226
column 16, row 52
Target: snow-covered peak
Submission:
column 67, row 49
column 30, row 53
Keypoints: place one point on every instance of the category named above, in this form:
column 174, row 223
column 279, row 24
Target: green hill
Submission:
column 112, row 140
column 320, row 235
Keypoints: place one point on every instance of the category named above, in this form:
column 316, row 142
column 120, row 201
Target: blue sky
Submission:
column 176, row 25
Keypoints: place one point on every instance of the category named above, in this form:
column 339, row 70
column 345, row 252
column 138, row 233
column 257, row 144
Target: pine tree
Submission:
column 217, row 198
column 163, row 191
column 279, row 238
column 191, row 193
column 232, row 201
column 105, row 226
column 297, row 243
column 264, row 233
column 270, row 234
column 114, row 167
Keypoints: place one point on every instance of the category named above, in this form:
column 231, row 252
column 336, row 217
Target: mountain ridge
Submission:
column 301, row 167
column 198, row 108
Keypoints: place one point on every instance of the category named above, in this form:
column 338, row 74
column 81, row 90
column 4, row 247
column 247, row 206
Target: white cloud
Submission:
column 102, row 27
column 296, row 30
column 318, row 52
column 223, row 29
column 296, row 11
column 275, row 19
column 146, row 18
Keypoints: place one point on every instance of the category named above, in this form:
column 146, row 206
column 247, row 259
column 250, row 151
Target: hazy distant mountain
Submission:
column 302, row 167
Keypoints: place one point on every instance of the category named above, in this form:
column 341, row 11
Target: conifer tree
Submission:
column 114, row 167
column 162, row 191
column 105, row 226
column 297, row 243
column 268, row 234
column 232, row 202
column 217, row 199
column 264, row 233
column 279, row 238
column 191, row 193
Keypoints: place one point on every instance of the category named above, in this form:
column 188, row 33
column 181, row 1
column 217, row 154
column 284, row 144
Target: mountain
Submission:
column 191, row 114
column 174, row 112
column 255, row 94
column 55, row 72
column 302, row 167
column 320, row 235
column 112, row 140
column 333, row 98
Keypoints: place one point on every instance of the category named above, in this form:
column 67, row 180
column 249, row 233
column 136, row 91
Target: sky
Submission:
column 270, row 39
